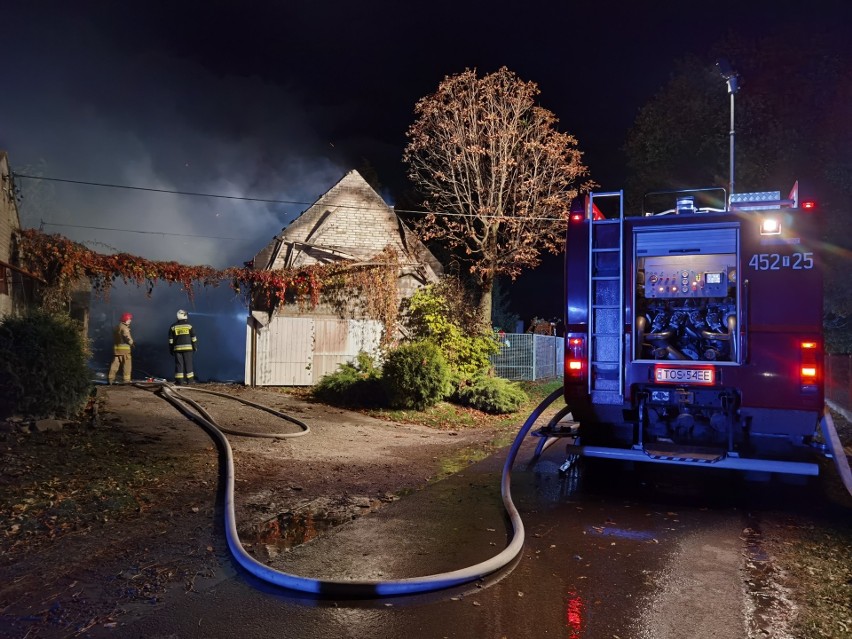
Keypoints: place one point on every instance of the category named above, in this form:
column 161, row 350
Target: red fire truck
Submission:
column 694, row 330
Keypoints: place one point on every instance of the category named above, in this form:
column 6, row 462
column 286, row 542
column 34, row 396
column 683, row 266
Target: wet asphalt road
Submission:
column 610, row 552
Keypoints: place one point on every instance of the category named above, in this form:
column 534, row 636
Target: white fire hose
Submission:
column 337, row 588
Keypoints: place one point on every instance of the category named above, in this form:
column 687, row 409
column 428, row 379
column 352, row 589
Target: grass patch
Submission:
column 817, row 559
column 447, row 416
column 818, row 562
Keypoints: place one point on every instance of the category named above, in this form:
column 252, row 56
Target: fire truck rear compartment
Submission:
column 686, row 295
column 678, row 346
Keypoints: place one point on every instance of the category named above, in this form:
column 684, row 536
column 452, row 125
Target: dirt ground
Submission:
column 121, row 511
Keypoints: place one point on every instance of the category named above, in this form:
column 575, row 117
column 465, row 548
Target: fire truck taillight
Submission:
column 808, row 369
column 577, row 217
column 808, row 205
column 575, row 356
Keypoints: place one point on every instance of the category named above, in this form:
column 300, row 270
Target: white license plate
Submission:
column 672, row 375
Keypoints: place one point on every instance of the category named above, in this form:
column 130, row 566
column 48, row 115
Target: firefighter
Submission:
column 122, row 342
column 182, row 344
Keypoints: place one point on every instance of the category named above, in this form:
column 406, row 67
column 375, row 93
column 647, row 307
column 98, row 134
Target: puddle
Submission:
column 461, row 460
column 308, row 521
column 471, row 455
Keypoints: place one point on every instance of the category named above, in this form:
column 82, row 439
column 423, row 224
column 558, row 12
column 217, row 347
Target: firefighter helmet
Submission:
column 126, row 317
column 181, row 315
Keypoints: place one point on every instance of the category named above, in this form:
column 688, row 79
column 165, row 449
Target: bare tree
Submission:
column 497, row 177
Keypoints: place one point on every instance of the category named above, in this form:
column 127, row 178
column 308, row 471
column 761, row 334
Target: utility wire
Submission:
column 153, row 190
column 266, row 200
column 106, row 228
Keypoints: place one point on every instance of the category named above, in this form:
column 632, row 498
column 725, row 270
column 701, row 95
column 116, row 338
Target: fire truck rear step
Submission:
column 665, row 451
column 726, row 461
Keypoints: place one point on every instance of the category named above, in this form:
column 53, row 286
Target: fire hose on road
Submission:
column 351, row 588
column 835, row 448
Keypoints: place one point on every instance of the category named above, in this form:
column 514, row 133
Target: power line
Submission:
column 266, row 200
column 153, row 190
column 106, row 228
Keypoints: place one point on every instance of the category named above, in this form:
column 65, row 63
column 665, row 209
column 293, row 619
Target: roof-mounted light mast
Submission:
column 731, row 78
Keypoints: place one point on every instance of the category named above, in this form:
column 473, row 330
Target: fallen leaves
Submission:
column 75, row 480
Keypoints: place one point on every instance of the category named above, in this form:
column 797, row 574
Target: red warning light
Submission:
column 809, row 373
column 808, row 205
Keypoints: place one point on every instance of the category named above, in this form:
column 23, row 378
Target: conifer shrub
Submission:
column 354, row 384
column 415, row 375
column 43, row 371
column 439, row 313
column 491, row 395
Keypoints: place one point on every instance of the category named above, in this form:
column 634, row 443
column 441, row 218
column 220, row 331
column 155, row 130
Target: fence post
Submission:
column 557, row 363
column 534, row 349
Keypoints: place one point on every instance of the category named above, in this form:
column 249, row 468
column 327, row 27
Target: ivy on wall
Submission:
column 63, row 263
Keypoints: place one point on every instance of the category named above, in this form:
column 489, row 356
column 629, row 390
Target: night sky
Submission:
column 278, row 100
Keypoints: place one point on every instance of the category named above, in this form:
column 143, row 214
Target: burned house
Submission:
column 292, row 345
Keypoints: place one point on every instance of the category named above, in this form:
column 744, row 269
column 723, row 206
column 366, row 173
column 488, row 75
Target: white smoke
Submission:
column 109, row 115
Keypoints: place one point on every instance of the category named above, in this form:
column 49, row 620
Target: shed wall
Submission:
column 299, row 351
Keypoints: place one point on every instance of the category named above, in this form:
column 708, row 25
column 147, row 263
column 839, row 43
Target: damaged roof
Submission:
column 350, row 222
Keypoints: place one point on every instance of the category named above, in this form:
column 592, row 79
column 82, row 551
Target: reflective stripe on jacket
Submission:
column 121, row 339
column 181, row 337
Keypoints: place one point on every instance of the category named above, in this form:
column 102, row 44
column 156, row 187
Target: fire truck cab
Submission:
column 694, row 329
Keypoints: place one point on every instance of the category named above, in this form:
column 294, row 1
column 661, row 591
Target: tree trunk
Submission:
column 486, row 284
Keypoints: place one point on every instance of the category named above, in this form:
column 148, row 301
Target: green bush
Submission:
column 354, row 384
column 43, row 370
column 415, row 375
column 435, row 313
column 492, row 395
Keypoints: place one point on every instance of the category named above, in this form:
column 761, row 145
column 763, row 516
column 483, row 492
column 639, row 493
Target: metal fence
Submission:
column 529, row 357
